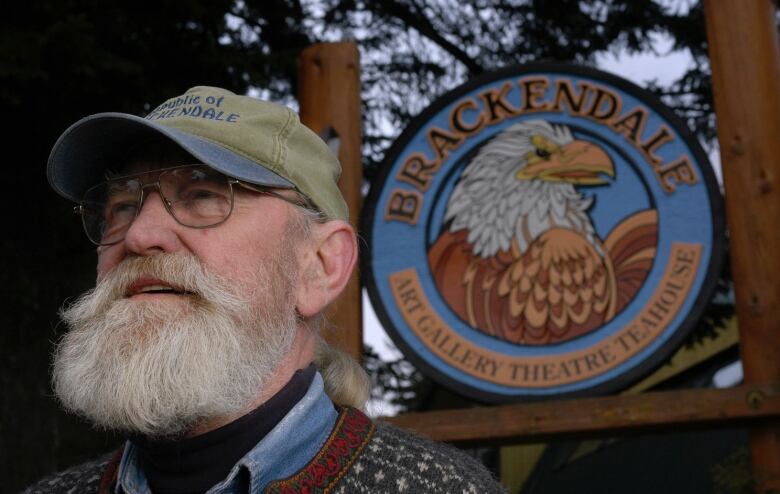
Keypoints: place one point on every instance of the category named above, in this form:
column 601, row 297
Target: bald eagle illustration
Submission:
column 518, row 257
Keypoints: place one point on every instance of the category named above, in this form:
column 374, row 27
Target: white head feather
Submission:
column 494, row 206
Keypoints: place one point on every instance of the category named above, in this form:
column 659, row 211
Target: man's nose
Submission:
column 153, row 230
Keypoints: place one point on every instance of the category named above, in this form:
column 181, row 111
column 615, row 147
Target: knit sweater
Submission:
column 360, row 456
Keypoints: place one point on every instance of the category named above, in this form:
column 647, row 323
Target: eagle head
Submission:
column 565, row 160
column 522, row 183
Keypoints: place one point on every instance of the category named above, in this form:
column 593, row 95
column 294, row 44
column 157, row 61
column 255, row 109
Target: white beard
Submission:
column 159, row 368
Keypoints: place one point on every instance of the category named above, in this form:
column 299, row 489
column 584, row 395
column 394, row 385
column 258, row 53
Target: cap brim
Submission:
column 88, row 148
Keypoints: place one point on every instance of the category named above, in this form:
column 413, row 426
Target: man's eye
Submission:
column 200, row 195
column 121, row 208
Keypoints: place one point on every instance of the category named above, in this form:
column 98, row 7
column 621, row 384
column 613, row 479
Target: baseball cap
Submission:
column 256, row 141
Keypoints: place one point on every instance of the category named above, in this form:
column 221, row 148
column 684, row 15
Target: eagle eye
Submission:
column 542, row 153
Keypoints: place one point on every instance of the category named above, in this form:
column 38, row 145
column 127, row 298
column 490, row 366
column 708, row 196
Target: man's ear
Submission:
column 325, row 266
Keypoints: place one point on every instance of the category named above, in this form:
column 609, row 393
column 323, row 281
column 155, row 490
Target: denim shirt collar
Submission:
column 282, row 452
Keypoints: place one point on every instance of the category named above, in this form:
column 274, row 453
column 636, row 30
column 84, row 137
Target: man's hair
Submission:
column 346, row 382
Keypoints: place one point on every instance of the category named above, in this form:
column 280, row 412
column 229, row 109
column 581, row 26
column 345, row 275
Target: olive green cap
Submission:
column 246, row 138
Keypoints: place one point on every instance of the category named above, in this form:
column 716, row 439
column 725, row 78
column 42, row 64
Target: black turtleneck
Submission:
column 193, row 465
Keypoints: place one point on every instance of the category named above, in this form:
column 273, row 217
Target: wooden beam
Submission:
column 608, row 416
column 329, row 95
column 745, row 60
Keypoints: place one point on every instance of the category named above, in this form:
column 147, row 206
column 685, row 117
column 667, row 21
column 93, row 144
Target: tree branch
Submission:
column 419, row 22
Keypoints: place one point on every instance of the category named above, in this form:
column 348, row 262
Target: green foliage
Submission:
column 394, row 381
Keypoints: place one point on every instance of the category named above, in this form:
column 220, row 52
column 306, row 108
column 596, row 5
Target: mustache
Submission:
column 184, row 272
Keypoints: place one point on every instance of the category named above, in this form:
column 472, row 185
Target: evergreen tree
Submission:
column 415, row 50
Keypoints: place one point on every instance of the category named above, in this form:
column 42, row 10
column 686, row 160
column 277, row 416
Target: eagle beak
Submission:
column 579, row 163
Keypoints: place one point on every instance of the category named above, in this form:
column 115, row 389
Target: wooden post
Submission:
column 329, row 95
column 745, row 59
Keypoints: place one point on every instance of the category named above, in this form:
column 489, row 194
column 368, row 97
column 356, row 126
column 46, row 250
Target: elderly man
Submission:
column 221, row 237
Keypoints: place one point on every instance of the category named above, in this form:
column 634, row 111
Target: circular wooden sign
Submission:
column 543, row 230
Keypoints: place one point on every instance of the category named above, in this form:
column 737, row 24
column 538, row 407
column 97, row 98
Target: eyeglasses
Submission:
column 196, row 196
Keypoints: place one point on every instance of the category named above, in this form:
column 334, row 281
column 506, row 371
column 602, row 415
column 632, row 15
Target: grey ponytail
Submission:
column 346, row 383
